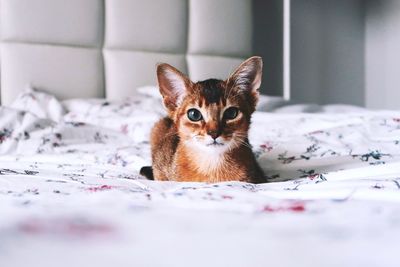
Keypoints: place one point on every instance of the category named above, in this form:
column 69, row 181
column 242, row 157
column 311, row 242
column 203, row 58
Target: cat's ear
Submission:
column 173, row 85
column 247, row 77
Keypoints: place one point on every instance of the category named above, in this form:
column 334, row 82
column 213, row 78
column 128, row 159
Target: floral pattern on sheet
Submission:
column 116, row 133
column 75, row 181
column 353, row 140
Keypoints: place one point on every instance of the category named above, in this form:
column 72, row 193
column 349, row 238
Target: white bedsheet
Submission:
column 70, row 193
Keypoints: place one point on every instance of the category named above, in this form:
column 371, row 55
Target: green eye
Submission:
column 231, row 113
column 194, row 114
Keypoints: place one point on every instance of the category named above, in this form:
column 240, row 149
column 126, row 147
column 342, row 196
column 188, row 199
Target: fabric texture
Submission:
column 70, row 192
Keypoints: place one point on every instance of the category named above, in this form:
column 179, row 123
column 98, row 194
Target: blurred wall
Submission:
column 268, row 43
column 327, row 51
column 383, row 54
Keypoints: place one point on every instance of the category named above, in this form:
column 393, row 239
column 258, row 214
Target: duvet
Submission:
column 71, row 195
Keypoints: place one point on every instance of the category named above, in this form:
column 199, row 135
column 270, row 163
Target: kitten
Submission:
column 204, row 138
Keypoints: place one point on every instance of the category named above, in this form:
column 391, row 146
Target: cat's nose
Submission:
column 214, row 134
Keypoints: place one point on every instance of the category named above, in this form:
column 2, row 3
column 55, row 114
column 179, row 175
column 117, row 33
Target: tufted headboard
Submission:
column 107, row 48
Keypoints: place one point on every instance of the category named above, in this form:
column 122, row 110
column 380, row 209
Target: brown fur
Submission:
column 180, row 147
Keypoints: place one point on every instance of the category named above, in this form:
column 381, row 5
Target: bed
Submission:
column 74, row 128
column 71, row 193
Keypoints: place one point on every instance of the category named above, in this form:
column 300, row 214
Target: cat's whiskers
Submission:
column 245, row 144
column 197, row 137
column 240, row 139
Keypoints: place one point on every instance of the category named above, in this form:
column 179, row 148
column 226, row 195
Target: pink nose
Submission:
column 214, row 134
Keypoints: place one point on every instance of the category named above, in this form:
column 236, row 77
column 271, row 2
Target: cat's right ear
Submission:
column 173, row 85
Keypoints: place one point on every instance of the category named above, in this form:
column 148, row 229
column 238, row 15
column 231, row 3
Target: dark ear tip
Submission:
column 161, row 66
column 256, row 59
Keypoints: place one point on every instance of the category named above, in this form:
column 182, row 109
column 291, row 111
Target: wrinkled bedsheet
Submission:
column 70, row 193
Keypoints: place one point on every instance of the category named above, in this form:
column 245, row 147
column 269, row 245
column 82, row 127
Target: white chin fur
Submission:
column 210, row 156
column 209, row 146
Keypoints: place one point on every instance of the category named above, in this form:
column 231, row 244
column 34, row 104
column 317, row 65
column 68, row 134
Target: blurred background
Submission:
column 341, row 51
column 314, row 51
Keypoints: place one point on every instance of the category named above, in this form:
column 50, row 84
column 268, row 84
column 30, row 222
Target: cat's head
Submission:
column 212, row 114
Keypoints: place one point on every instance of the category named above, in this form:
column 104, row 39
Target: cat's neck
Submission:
column 221, row 165
column 206, row 159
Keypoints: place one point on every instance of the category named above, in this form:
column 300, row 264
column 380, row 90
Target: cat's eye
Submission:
column 231, row 113
column 194, row 114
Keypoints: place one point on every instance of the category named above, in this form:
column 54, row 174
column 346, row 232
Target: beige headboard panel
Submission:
column 107, row 48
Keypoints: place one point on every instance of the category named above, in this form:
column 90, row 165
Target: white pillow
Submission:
column 314, row 108
column 150, row 90
column 134, row 116
column 41, row 104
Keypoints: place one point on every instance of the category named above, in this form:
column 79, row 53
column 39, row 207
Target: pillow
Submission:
column 41, row 104
column 150, row 90
column 270, row 103
column 134, row 116
column 314, row 108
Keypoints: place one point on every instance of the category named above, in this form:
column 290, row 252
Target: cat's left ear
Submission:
column 173, row 85
column 247, row 78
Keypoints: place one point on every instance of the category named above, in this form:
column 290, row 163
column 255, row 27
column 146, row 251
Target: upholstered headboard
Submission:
column 107, row 48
